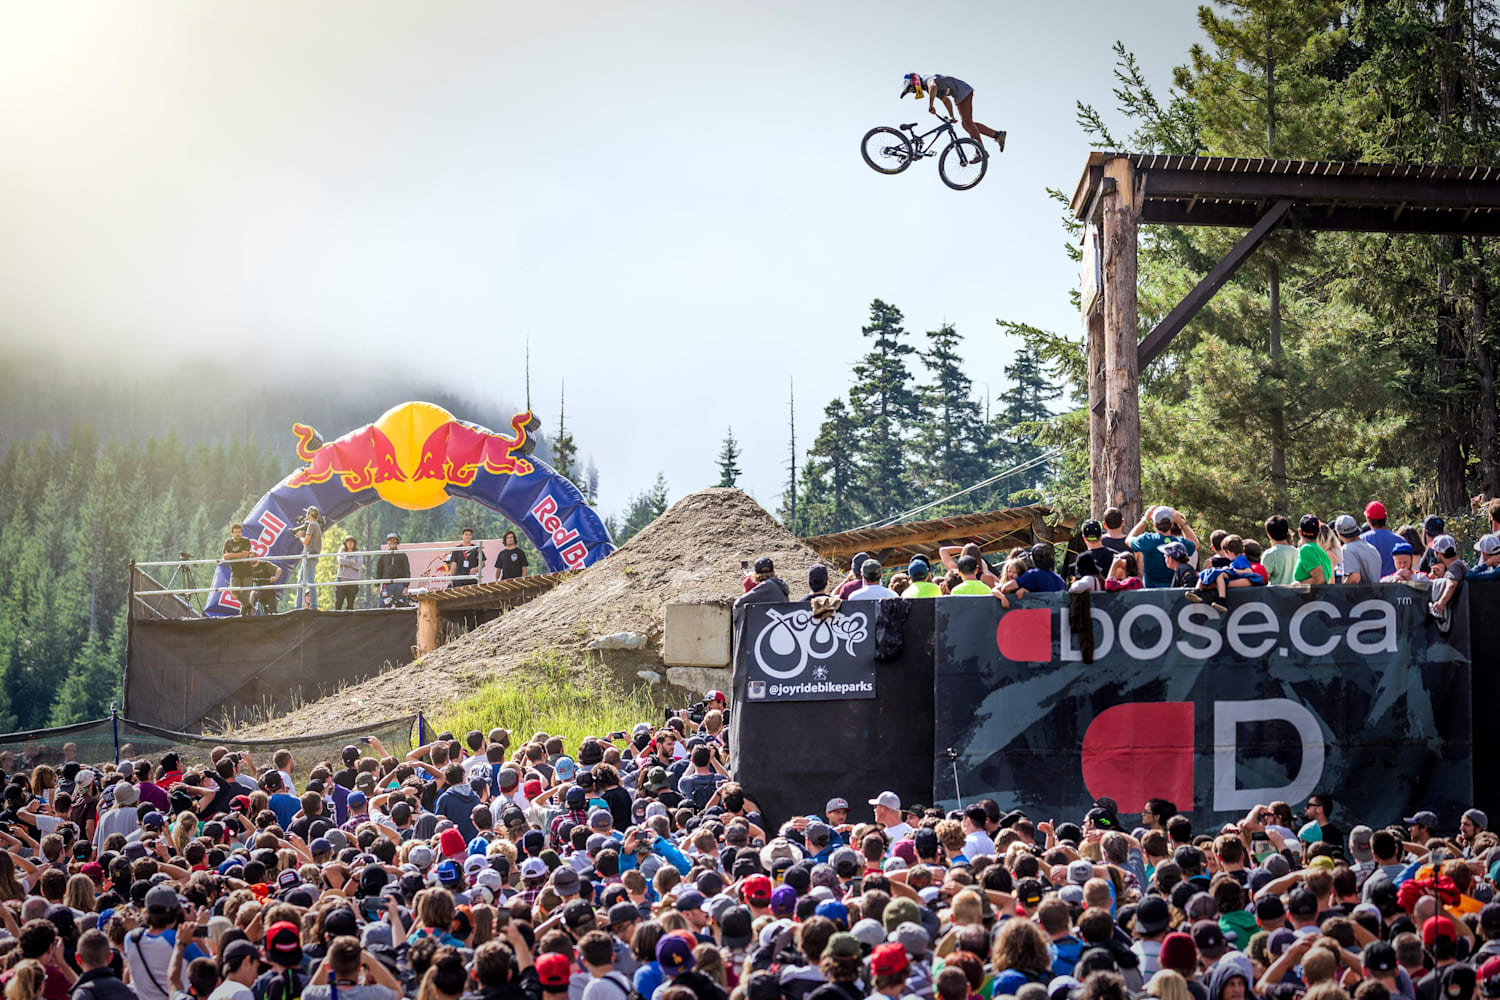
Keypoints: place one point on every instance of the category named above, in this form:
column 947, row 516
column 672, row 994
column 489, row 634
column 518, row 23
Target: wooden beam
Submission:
column 1179, row 317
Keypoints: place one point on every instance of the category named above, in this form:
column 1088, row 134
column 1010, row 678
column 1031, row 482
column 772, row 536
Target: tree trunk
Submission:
column 1484, row 365
column 1279, row 499
column 1451, row 495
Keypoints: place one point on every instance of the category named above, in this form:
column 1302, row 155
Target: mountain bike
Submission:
column 961, row 165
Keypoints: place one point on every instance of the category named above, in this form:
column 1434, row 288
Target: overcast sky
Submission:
column 666, row 197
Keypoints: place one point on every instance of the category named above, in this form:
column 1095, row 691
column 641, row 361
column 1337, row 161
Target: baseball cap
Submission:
column 783, row 900
column 1487, row 545
column 1302, row 903
column 1030, row 892
column 1359, row 843
column 1103, row 818
column 757, row 888
column 1433, row 525
column 674, row 952
column 833, row 910
column 1152, row 915
column 765, row 565
column 1375, row 510
column 564, row 769
column 565, row 881
column 533, row 868
column 1174, row 550
column 1091, row 529
column 1163, row 515
column 1379, row 956
column 284, row 943
column 553, row 969
column 163, row 897
column 835, row 803
column 1308, row 526
column 357, row 801
column 1444, row 543
column 1437, row 928
column 601, row 819
column 1489, row 978
column 448, row 871
column 1425, row 817
column 688, row 900
column 889, row 959
column 1489, row 919
column 1345, row 526
column 1269, row 908
column 1209, row 939
column 1403, row 549
column 917, row 569
column 1080, row 872
column 735, row 927
column 817, row 577
column 889, row 800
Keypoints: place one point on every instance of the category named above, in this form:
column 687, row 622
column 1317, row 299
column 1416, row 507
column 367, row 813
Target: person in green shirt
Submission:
column 919, row 571
column 1313, row 564
column 968, row 568
column 1280, row 559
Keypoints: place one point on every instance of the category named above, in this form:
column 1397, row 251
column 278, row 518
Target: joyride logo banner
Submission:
column 1346, row 690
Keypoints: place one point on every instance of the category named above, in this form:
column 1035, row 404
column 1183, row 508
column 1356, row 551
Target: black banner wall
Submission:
column 794, row 755
column 1347, row 690
column 180, row 673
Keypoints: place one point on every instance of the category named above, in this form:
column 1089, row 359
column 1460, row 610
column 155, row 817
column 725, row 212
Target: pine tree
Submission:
column 591, row 483
column 564, row 450
column 883, row 402
column 788, row 511
column 729, row 455
column 832, row 472
column 1023, row 408
column 951, row 433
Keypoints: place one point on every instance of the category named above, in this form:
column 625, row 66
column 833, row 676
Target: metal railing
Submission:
column 361, row 582
column 476, row 544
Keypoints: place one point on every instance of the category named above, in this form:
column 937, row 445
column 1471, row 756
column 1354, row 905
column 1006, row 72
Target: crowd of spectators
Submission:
column 630, row 867
column 1162, row 551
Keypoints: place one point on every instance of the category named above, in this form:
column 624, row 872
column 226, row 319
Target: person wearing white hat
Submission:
column 888, row 814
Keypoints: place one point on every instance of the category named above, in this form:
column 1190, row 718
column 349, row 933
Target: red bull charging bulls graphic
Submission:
column 418, row 456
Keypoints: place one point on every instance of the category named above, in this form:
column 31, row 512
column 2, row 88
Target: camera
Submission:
column 696, row 711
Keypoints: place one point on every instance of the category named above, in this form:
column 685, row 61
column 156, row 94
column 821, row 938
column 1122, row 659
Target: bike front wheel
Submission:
column 886, row 150
column 963, row 164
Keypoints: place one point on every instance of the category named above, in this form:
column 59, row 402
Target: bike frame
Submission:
column 923, row 147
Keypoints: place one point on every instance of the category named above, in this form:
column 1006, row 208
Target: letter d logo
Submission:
column 1025, row 635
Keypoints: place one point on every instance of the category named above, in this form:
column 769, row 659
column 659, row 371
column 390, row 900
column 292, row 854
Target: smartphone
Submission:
column 365, row 740
column 744, row 564
column 201, row 932
column 502, row 916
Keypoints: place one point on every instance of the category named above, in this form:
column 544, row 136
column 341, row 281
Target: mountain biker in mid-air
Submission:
column 951, row 89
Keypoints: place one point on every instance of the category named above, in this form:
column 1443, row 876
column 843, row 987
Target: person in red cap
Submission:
column 1380, row 536
column 451, row 842
column 891, row 968
column 756, row 890
column 553, row 971
column 1440, row 938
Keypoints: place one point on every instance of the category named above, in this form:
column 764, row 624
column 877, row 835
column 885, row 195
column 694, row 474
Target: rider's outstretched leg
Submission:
column 975, row 129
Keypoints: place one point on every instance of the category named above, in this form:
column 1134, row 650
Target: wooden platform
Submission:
column 501, row 595
column 992, row 531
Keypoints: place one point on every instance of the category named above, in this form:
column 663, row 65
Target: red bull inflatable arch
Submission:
column 418, row 456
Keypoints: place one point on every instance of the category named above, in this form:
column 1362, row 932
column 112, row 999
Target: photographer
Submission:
column 311, row 533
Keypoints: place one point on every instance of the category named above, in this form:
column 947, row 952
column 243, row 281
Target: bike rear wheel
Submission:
column 963, row 164
column 886, row 150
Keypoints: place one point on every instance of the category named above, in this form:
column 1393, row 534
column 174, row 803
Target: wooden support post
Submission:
column 1120, row 483
column 1094, row 344
column 428, row 626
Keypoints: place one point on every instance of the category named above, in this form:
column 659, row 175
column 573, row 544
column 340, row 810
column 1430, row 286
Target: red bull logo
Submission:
column 412, row 453
column 572, row 550
column 361, row 458
column 456, row 451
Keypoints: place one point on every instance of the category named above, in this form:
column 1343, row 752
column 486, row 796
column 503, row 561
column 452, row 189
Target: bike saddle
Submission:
column 910, row 126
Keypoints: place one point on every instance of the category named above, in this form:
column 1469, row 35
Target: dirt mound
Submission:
column 690, row 553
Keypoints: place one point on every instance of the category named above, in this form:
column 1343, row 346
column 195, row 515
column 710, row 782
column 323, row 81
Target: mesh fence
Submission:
column 117, row 738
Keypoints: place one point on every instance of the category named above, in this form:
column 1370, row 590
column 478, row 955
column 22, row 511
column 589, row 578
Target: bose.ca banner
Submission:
column 788, row 655
column 1345, row 690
